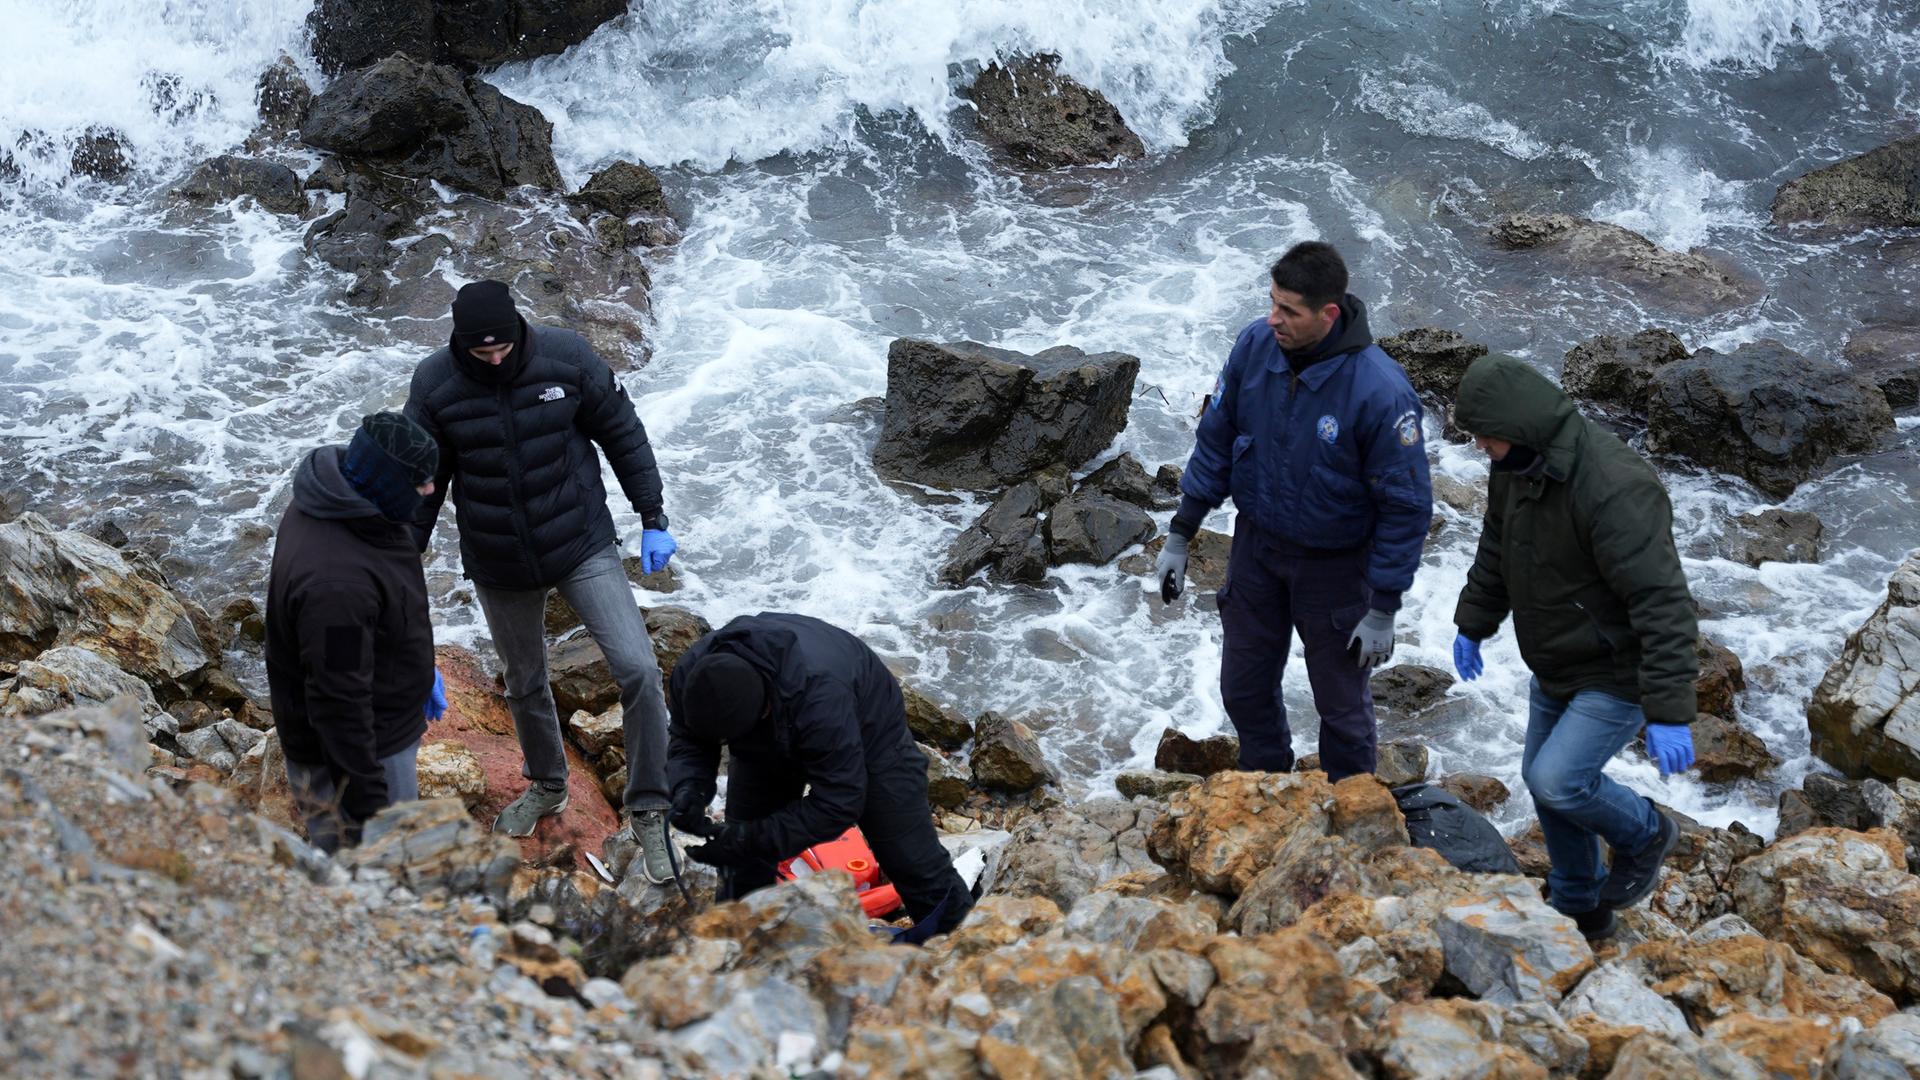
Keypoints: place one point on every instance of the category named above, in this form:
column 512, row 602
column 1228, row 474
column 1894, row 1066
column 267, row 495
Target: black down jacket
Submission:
column 517, row 443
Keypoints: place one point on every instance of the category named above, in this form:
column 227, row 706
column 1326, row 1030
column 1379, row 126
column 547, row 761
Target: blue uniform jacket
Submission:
column 1330, row 457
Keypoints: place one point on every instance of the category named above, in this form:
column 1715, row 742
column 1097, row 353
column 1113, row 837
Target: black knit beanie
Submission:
column 725, row 696
column 388, row 459
column 483, row 315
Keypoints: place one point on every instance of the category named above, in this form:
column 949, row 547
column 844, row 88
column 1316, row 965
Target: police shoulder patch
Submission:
column 1329, row 428
column 1408, row 428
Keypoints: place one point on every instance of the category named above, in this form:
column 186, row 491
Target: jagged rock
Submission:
column 448, row 770
column 208, row 748
column 1401, row 762
column 225, row 178
column 1178, row 753
column 63, row 588
column 948, row 784
column 1889, row 1050
column 1619, row 371
column 434, row 845
column 1434, row 359
column 348, row 34
column 1652, row 1057
column 1291, row 975
column 1725, row 751
column 911, row 1051
column 1765, row 413
column 1620, row 995
column 595, row 735
column 1509, row 946
column 1688, row 282
column 1895, row 807
column 1223, row 833
column 283, row 96
column 1778, row 1045
column 1823, row 802
column 1693, row 889
column 1890, row 356
column 1445, row 1039
column 966, row 415
column 1090, row 527
column 1138, row 925
column 1843, row 900
column 1009, row 540
column 1877, row 189
column 1409, row 689
column 1722, row 678
column 1865, row 714
column 1207, row 555
column 1065, row 852
column 1007, row 756
column 933, row 722
column 101, row 153
column 1789, row 536
column 1125, row 479
column 1712, row 979
column 579, row 673
column 358, row 238
column 1483, row 793
column 1154, row 784
column 70, row 676
column 425, row 121
column 622, row 189
column 1041, row 119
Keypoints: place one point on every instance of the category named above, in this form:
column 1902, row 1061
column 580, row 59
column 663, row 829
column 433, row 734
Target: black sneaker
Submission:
column 1597, row 925
column 1632, row 877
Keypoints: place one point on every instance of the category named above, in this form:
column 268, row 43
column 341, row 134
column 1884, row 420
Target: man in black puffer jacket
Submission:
column 816, row 730
column 517, row 411
column 349, row 644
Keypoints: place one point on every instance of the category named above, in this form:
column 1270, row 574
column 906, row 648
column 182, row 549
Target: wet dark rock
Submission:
column 933, row 722
column 1153, row 784
column 1090, row 527
column 1401, row 762
column 1008, row 540
column 1178, row 753
column 579, row 672
column 1683, row 281
column 1006, row 755
column 102, row 154
column 1890, row 356
column 1125, row 479
column 1483, row 793
column 425, row 121
column 948, row 783
column 225, row 178
column 1765, row 413
column 1724, row 751
column 1877, row 189
column 1041, row 119
column 283, row 96
column 329, row 175
column 1166, row 486
column 13, row 503
column 358, row 238
column 1789, row 536
column 966, row 415
column 1409, row 689
column 349, row 34
column 1862, row 713
column 1722, row 678
column 1619, row 371
column 1434, row 359
column 1823, row 802
column 622, row 189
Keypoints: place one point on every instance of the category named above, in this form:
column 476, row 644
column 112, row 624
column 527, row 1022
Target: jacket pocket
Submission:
column 1243, row 476
column 1337, row 510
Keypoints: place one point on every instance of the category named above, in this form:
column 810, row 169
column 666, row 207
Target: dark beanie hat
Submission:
column 724, row 697
column 483, row 314
column 389, row 457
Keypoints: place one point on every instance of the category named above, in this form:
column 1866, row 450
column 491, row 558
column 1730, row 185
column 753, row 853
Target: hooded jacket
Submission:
column 1579, row 548
column 837, row 715
column 349, row 641
column 1329, row 456
column 517, row 455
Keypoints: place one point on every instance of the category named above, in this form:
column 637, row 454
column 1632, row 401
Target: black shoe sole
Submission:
column 1671, row 829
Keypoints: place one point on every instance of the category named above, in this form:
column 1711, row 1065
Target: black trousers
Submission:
column 897, row 823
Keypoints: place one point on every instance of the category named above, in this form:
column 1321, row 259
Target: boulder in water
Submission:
column 1483, row 793
column 1009, row 541
column 1877, row 189
column 1722, row 678
column 933, row 722
column 101, row 153
column 1789, row 536
column 1125, row 479
column 1006, row 755
column 970, row 416
column 1179, row 753
column 1686, row 281
column 1433, row 359
column 1890, row 356
column 426, row 121
column 1865, row 714
column 1618, row 371
column 622, row 189
column 1765, row 413
column 1725, row 751
column 349, row 34
column 1092, row 527
column 1042, row 119
column 283, row 96
column 225, row 178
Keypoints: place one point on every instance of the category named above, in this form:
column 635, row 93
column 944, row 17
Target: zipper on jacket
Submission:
column 514, row 493
column 1597, row 629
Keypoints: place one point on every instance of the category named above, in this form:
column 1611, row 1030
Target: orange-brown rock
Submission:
column 1222, row 833
column 1604, row 1042
column 1718, row 978
column 1784, row 1047
column 1842, row 899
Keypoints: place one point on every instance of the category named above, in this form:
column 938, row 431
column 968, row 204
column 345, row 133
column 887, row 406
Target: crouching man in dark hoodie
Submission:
column 349, row 644
column 817, row 734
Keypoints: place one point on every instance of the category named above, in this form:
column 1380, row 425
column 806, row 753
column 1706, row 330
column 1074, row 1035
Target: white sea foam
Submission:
column 1668, row 197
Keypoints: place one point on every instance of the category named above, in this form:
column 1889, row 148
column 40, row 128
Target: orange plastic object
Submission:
column 851, row 854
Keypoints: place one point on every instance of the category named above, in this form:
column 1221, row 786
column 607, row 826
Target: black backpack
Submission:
column 1437, row 819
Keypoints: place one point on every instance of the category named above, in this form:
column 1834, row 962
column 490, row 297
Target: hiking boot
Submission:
column 1597, row 925
column 1633, row 876
column 525, row 812
column 649, row 829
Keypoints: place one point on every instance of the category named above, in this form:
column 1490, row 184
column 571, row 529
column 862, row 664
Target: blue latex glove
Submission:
column 1466, row 657
column 436, row 706
column 656, row 547
column 1671, row 747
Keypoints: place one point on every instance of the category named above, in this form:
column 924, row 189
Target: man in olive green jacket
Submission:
column 1578, row 547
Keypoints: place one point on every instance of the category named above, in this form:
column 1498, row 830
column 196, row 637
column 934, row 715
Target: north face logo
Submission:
column 553, row 393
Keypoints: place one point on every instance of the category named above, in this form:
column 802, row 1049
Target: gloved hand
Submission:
column 436, row 706
column 689, row 813
column 1671, row 747
column 656, row 547
column 727, row 846
column 1170, row 570
column 1374, row 639
column 1466, row 657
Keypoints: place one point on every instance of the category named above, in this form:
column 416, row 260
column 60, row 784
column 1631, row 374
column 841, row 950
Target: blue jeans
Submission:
column 599, row 592
column 1568, row 743
column 316, row 798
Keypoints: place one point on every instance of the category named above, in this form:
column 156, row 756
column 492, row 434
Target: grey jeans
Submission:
column 602, row 596
column 316, row 799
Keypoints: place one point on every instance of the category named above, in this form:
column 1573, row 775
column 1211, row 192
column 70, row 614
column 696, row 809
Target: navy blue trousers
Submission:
column 1273, row 589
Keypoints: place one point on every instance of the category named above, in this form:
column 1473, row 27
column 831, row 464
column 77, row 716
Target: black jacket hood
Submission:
column 320, row 490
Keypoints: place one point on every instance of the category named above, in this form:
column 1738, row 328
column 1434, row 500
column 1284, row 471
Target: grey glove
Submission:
column 1171, row 568
column 1372, row 640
